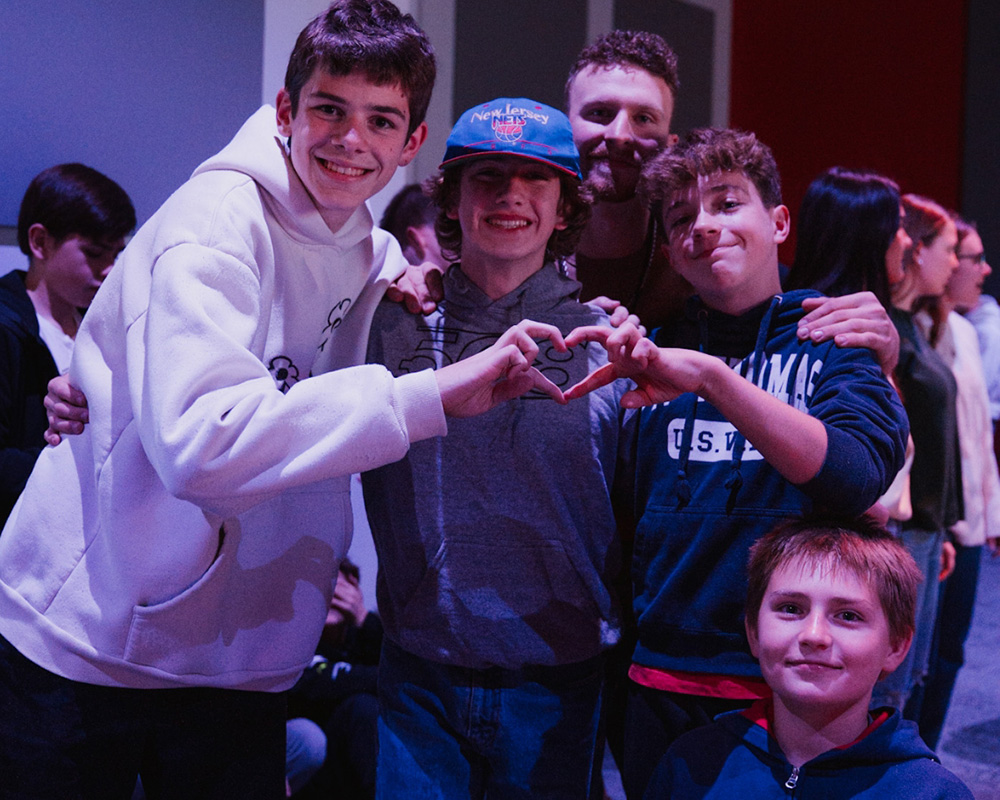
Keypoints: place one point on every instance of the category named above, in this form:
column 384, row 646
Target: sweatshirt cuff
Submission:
column 419, row 406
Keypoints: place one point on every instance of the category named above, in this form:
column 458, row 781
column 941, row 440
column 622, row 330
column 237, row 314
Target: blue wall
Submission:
column 142, row 90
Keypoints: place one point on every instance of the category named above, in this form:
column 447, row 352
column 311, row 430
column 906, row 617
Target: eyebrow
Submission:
column 343, row 101
column 856, row 601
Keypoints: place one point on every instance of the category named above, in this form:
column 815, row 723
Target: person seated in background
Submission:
column 335, row 702
column 72, row 225
column 740, row 421
column 829, row 608
column 410, row 218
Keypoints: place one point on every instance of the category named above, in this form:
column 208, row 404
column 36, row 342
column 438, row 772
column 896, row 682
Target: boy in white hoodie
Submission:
column 190, row 538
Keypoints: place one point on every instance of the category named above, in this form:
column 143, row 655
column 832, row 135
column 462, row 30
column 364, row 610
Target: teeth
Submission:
column 351, row 172
column 508, row 224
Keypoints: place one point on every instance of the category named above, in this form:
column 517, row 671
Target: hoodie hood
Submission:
column 261, row 153
column 889, row 739
column 543, row 293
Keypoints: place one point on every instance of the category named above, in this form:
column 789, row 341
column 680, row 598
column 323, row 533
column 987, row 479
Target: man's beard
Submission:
column 604, row 186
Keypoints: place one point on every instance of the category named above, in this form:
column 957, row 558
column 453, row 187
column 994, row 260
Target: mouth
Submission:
column 507, row 223
column 340, row 169
column 817, row 665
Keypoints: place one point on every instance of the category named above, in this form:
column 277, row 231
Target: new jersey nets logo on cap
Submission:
column 508, row 128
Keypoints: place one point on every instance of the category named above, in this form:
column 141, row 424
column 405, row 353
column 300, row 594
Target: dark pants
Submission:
column 955, row 606
column 64, row 739
column 653, row 719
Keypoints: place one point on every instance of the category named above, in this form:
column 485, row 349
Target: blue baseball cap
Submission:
column 514, row 126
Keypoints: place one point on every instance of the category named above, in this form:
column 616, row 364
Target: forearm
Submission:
column 791, row 441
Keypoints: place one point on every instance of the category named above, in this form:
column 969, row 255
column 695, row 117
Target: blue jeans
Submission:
column 450, row 732
column 895, row 689
column 68, row 740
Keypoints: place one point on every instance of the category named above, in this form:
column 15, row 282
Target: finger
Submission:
column 51, row 437
column 520, row 379
column 595, row 380
column 588, row 333
column 59, row 411
column 541, row 330
column 606, row 304
column 637, row 398
column 434, row 279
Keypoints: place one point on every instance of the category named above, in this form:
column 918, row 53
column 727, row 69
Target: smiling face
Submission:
column 724, row 241
column 621, row 119
column 934, row 263
column 965, row 286
column 508, row 207
column 347, row 139
column 822, row 639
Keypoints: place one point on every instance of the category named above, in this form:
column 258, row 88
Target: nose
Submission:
column 705, row 223
column 987, row 269
column 348, row 135
column 511, row 190
column 815, row 631
column 620, row 128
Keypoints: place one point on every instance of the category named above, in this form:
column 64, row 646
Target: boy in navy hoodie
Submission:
column 829, row 610
column 741, row 426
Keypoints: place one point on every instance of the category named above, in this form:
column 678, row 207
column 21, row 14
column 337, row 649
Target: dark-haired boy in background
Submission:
column 72, row 226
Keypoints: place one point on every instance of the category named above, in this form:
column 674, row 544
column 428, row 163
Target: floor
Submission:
column 970, row 743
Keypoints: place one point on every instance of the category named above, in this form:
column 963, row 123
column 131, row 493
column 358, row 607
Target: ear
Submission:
column 782, row 223
column 751, row 637
column 415, row 241
column 896, row 654
column 283, row 103
column 672, row 139
column 39, row 241
column 413, row 144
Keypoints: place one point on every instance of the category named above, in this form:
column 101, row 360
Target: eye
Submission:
column 788, row 608
column 598, row 114
column 644, row 119
column 850, row 616
column 383, row 123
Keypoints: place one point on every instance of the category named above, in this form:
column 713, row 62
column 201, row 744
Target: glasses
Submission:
column 975, row 258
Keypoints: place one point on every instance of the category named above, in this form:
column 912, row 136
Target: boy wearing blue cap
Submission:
column 496, row 547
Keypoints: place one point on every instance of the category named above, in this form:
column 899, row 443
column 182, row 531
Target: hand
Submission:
column 419, row 288
column 947, row 560
column 854, row 320
column 348, row 601
column 618, row 315
column 660, row 374
column 500, row 373
column 993, row 543
column 66, row 408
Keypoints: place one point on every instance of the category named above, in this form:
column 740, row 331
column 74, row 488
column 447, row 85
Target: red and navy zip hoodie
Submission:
column 736, row 756
column 702, row 494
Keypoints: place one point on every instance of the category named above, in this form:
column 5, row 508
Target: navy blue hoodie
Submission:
column 703, row 494
column 736, row 757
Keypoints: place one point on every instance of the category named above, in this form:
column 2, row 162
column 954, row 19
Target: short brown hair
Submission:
column 859, row 546
column 629, row 49
column 706, row 151
column 371, row 37
column 574, row 204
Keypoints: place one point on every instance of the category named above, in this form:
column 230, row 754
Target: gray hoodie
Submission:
column 497, row 544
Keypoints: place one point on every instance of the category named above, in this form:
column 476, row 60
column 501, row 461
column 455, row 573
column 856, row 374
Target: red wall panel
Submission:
column 875, row 84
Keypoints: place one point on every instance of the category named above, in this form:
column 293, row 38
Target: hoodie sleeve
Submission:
column 866, row 431
column 213, row 424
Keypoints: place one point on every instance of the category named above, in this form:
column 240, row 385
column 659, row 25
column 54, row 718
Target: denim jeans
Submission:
column 895, row 689
column 68, row 740
column 450, row 732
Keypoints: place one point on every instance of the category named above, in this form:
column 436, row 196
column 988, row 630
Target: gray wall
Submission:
column 142, row 91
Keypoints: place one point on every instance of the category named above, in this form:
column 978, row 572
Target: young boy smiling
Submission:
column 497, row 546
column 740, row 423
column 829, row 610
column 189, row 539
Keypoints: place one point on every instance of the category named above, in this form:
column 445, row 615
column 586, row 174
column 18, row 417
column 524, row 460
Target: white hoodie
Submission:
column 191, row 535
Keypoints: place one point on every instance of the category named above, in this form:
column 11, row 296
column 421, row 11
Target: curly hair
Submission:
column 629, row 49
column 368, row 36
column 706, row 151
column 444, row 188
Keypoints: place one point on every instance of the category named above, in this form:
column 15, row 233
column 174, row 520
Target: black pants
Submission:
column 64, row 739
